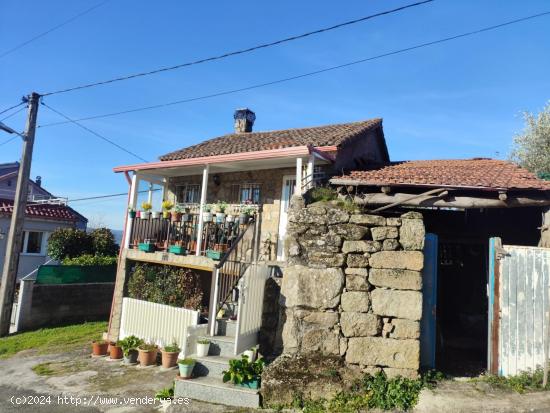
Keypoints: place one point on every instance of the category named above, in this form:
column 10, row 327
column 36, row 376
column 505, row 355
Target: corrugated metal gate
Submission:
column 519, row 278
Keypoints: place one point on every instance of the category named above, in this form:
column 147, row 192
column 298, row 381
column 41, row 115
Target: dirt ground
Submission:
column 99, row 385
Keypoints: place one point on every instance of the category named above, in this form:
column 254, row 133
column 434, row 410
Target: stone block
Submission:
column 323, row 259
column 343, row 345
column 411, row 215
column 390, row 245
column 358, row 260
column 356, row 282
column 337, row 216
column 381, row 233
column 397, row 303
column 356, row 271
column 405, row 329
column 361, row 246
column 355, row 301
column 397, row 279
column 325, row 319
column 312, row 288
column 321, row 340
column 386, row 352
column 405, row 260
column 359, row 324
column 370, row 220
column 393, row 222
column 349, row 232
column 412, row 234
column 392, row 372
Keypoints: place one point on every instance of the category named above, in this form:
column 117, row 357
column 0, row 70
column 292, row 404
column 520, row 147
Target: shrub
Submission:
column 103, row 242
column 163, row 284
column 88, row 259
column 524, row 381
column 323, row 193
column 69, row 243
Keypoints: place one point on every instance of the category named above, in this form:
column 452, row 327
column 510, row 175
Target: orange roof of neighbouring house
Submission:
column 329, row 135
column 43, row 211
column 473, row 173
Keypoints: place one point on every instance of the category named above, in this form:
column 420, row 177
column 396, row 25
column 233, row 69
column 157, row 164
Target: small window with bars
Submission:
column 188, row 193
column 245, row 193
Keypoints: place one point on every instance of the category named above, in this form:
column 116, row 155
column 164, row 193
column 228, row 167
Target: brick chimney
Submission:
column 244, row 120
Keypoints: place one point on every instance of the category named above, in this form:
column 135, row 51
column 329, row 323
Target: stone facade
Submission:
column 353, row 287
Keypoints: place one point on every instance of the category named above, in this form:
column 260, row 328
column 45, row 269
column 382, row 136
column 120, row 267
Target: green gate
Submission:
column 75, row 274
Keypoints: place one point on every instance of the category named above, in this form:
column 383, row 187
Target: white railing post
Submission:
column 134, row 189
column 298, row 187
column 201, row 209
column 214, row 299
column 309, row 173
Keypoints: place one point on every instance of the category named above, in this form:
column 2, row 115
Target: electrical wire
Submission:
column 12, row 107
column 95, row 133
column 38, row 36
column 13, row 114
column 8, row 141
column 287, row 79
column 99, row 197
column 237, row 52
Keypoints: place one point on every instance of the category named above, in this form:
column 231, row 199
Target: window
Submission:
column 188, row 193
column 245, row 193
column 33, row 243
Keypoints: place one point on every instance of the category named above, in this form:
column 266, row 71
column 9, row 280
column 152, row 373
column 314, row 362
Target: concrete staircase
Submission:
column 207, row 384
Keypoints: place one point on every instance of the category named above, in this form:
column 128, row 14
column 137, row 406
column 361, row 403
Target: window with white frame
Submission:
column 188, row 193
column 34, row 242
column 247, row 193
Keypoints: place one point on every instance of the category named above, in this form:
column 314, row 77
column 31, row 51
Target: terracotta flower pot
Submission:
column 147, row 357
column 169, row 359
column 99, row 348
column 116, row 352
column 176, row 216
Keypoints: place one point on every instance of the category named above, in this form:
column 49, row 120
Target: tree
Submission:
column 69, row 243
column 103, row 242
column 531, row 148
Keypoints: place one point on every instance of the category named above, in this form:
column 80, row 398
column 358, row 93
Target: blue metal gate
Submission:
column 429, row 302
column 519, row 279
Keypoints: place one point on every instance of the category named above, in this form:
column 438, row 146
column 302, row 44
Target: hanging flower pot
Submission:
column 145, row 214
column 220, row 217
column 155, row 214
column 131, row 213
column 207, row 216
column 230, row 218
column 176, row 216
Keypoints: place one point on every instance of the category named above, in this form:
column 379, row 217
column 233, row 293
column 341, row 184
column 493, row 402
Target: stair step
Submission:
column 212, row 366
column 226, row 327
column 220, row 345
column 213, row 390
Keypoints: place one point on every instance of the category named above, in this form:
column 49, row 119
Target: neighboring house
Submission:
column 44, row 214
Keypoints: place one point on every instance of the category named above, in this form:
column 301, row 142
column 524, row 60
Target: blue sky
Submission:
column 454, row 100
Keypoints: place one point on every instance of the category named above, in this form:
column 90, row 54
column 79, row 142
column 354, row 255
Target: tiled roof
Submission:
column 43, row 211
column 472, row 173
column 329, row 135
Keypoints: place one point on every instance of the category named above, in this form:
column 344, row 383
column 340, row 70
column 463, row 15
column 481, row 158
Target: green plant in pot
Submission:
column 146, row 213
column 167, row 205
column 207, row 213
column 202, row 347
column 186, row 367
column 147, row 354
column 99, row 347
column 220, row 212
column 244, row 217
column 244, row 373
column 176, row 214
column 130, row 346
column 131, row 212
column 170, row 355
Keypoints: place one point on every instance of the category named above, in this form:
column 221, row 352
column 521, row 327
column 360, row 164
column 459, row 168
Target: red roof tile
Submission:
column 462, row 173
column 329, row 135
column 43, row 211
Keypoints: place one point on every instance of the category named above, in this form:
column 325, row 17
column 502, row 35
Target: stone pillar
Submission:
column 118, row 295
column 24, row 304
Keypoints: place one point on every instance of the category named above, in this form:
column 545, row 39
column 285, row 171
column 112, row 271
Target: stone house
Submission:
column 395, row 285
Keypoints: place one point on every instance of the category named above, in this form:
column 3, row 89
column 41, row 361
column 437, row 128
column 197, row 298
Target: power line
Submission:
column 38, row 36
column 95, row 133
column 13, row 107
column 97, row 197
column 13, row 114
column 237, row 52
column 8, row 141
column 287, row 79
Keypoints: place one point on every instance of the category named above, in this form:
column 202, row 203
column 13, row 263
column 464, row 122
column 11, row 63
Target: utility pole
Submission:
column 15, row 237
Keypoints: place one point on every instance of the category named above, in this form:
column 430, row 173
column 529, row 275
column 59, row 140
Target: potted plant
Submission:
column 186, row 367
column 99, row 347
column 156, row 214
column 131, row 212
column 177, row 248
column 220, row 212
column 147, row 354
column 146, row 213
column 244, row 217
column 116, row 351
column 176, row 214
column 202, row 347
column 250, row 354
column 170, row 355
column 207, row 214
column 129, row 349
column 187, row 217
column 147, row 246
column 167, row 205
column 244, row 373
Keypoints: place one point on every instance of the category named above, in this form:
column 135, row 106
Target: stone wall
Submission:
column 353, row 287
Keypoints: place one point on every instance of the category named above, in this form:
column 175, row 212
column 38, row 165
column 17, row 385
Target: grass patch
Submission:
column 43, row 369
column 52, row 340
column 526, row 381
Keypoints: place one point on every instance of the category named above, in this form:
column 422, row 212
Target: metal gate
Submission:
column 518, row 307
